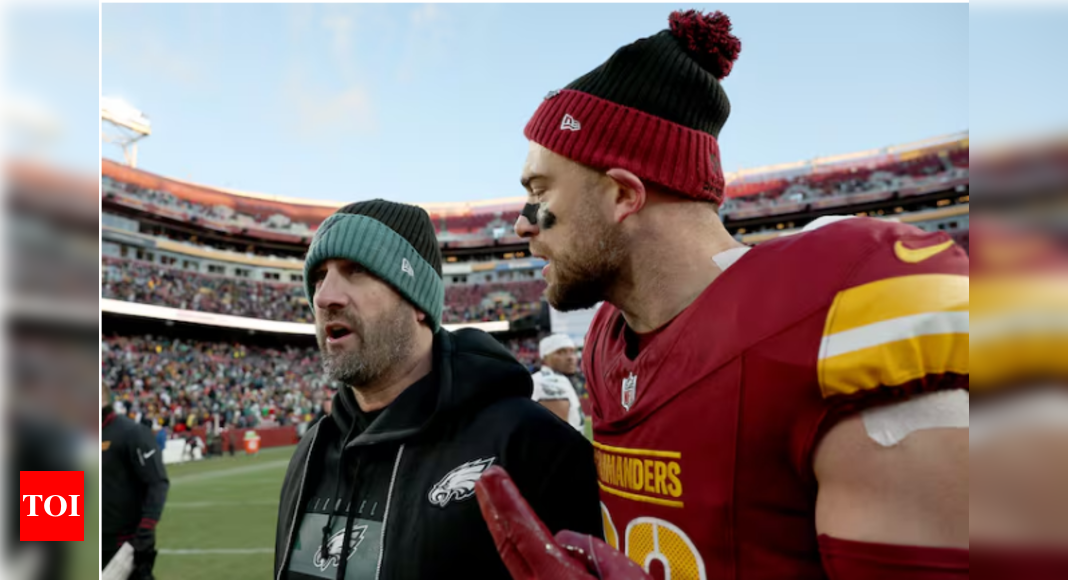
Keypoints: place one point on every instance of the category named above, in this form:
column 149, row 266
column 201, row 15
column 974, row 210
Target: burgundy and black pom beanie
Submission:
column 655, row 108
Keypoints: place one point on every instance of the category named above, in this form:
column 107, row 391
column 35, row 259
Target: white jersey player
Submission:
column 552, row 387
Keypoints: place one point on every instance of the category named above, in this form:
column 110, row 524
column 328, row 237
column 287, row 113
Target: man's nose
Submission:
column 525, row 229
column 328, row 294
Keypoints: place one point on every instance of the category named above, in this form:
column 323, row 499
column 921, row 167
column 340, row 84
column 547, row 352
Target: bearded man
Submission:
column 798, row 409
column 383, row 486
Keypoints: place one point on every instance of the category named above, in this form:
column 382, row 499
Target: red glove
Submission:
column 528, row 549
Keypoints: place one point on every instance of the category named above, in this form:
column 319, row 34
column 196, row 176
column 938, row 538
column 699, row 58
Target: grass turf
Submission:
column 220, row 516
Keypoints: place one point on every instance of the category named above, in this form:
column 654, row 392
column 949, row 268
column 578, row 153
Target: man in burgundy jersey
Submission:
column 794, row 410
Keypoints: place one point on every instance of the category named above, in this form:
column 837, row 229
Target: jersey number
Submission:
column 653, row 539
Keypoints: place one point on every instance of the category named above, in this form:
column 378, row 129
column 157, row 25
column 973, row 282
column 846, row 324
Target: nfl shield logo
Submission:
column 630, row 388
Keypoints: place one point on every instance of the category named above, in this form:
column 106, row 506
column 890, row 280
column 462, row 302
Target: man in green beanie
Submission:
column 383, row 486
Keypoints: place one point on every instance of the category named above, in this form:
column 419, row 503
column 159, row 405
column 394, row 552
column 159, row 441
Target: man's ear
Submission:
column 630, row 193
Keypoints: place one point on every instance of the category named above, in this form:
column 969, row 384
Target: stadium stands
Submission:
column 148, row 283
column 526, row 351
column 467, row 223
column 163, row 198
column 494, row 301
column 181, row 385
column 960, row 158
column 186, row 384
column 839, row 187
column 926, row 166
column 753, row 196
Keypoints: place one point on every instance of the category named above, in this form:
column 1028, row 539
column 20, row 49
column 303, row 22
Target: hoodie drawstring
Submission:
column 342, row 564
column 324, row 548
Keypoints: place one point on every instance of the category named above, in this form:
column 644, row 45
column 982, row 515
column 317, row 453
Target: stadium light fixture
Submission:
column 124, row 125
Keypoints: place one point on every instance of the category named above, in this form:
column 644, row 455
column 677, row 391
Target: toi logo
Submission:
column 53, row 505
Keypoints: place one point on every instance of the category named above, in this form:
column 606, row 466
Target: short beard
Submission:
column 383, row 344
column 583, row 275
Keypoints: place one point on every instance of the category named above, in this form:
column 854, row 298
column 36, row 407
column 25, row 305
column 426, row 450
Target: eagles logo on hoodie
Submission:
column 459, row 483
column 333, row 548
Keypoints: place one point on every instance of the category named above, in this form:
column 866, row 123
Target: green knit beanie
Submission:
column 394, row 241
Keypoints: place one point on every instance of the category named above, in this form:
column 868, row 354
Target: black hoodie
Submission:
column 390, row 494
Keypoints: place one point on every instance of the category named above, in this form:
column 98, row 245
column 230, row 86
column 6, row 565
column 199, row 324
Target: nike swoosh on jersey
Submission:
column 917, row 255
column 149, row 454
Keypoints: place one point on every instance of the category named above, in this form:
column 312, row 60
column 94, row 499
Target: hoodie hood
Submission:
column 470, row 370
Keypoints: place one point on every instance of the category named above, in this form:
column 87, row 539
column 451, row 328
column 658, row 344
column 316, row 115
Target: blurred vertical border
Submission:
column 1019, row 290
column 50, row 296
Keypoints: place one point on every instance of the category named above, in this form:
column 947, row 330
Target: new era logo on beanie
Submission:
column 654, row 108
column 394, row 241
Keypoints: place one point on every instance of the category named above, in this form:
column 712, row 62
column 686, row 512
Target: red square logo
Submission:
column 53, row 506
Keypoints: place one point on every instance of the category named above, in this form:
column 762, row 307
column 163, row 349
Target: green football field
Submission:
column 220, row 516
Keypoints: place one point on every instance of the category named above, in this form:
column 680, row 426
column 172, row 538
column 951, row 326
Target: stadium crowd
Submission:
column 181, row 384
column 148, row 283
column 525, row 351
column 492, row 301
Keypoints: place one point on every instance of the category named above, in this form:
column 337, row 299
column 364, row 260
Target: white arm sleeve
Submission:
column 550, row 388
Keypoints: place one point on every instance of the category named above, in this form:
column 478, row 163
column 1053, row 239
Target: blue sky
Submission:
column 52, row 73
column 1015, row 87
column 426, row 103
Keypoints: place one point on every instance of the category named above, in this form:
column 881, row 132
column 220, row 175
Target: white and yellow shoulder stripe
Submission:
column 893, row 331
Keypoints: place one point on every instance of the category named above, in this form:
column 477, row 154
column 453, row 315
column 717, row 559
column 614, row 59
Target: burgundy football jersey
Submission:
column 704, row 441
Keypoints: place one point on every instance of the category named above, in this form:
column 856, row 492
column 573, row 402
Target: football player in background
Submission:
column 134, row 489
column 798, row 409
column 552, row 382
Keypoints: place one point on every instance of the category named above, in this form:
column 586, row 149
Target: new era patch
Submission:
column 570, row 123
